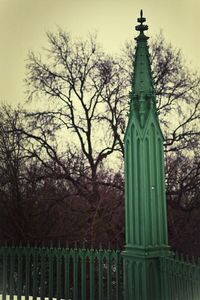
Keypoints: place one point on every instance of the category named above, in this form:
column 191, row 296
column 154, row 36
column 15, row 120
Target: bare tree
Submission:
column 177, row 90
column 183, row 180
column 31, row 192
column 86, row 92
column 13, row 158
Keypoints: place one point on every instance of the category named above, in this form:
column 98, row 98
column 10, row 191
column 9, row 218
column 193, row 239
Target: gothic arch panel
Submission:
column 127, row 190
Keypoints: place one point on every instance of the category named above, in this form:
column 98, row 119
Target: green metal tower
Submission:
column 145, row 203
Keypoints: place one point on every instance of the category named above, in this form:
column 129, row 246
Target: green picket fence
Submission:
column 180, row 278
column 61, row 273
column 85, row 274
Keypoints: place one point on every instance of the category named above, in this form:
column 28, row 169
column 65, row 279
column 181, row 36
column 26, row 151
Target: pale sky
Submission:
column 23, row 24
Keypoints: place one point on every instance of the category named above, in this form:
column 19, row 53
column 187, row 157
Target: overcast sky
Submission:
column 23, row 24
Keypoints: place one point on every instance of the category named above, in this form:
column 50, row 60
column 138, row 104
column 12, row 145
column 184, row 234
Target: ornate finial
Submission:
column 141, row 20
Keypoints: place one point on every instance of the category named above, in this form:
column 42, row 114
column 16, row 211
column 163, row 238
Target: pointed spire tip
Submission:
column 141, row 27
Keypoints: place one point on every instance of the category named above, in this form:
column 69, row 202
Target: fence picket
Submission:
column 66, row 285
column 42, row 277
column 75, row 274
column 4, row 273
column 108, row 271
column 35, row 273
column 50, row 267
column 83, row 273
column 27, row 266
column 19, row 277
column 58, row 269
column 100, row 273
column 117, row 277
column 92, row 279
column 12, row 272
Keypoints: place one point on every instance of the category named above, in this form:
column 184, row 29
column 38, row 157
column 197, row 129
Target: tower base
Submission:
column 142, row 277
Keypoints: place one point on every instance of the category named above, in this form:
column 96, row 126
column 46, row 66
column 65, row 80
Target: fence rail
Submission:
column 61, row 273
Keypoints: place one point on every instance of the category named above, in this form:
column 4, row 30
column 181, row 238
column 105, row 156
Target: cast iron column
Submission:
column 145, row 203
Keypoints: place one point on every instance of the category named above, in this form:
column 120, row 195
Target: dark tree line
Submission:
column 39, row 202
column 62, row 156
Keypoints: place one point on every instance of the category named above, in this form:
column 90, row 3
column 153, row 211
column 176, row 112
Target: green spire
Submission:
column 144, row 167
column 143, row 94
column 145, row 202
